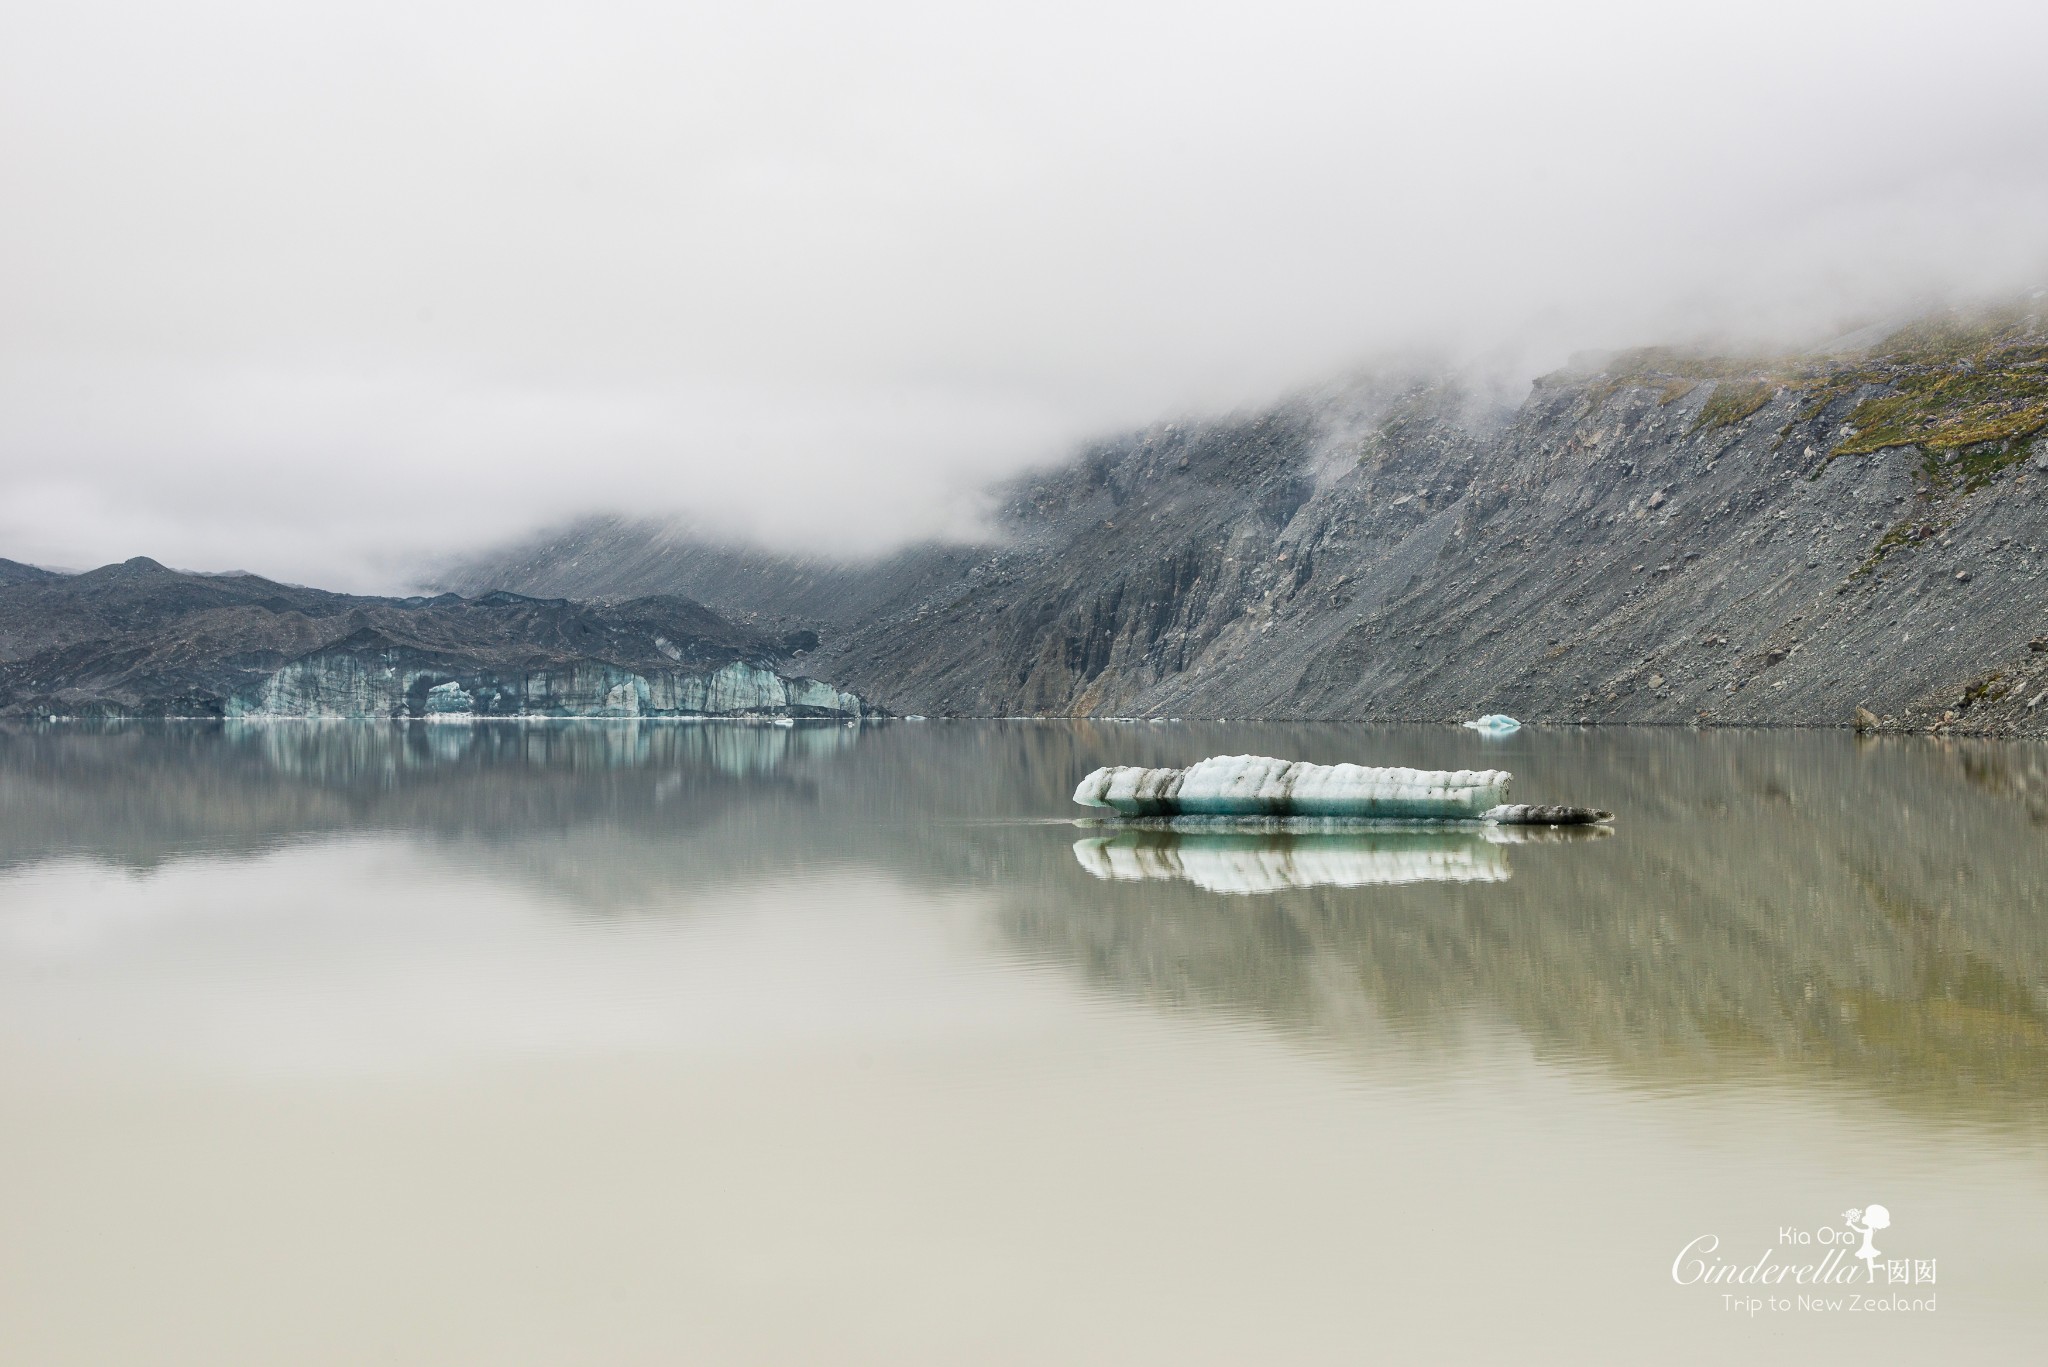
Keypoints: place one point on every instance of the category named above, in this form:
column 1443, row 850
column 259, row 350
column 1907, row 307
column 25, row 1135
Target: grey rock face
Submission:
column 1612, row 549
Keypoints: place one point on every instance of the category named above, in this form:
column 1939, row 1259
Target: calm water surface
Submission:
column 615, row 1043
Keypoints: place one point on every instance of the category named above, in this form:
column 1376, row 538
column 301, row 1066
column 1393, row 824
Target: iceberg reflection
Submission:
column 1263, row 862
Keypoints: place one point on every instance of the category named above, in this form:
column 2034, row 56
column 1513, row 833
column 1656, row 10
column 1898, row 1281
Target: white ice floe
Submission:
column 1495, row 724
column 1254, row 785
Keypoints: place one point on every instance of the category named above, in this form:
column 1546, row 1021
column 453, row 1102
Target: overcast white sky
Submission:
column 324, row 290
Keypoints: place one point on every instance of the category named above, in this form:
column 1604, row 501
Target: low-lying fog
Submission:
column 326, row 290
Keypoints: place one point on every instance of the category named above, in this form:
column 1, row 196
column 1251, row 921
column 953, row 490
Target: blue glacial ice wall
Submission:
column 343, row 685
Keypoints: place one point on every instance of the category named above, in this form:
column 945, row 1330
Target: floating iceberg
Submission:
column 1243, row 790
column 1495, row 724
column 1256, row 786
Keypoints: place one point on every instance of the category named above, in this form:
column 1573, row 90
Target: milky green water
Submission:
column 658, row 1043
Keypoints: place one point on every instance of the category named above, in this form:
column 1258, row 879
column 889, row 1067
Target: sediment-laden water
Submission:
column 659, row 1042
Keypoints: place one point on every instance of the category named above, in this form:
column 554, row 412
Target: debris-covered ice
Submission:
column 1255, row 785
column 1546, row 814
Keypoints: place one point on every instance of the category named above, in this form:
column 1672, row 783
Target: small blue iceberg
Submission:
column 1495, row 724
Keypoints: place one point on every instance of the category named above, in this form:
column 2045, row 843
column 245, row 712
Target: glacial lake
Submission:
column 620, row 1043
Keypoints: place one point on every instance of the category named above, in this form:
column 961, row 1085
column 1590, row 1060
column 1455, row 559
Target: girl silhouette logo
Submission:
column 1873, row 1218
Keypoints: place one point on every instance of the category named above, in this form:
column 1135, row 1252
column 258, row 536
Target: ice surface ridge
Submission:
column 1256, row 785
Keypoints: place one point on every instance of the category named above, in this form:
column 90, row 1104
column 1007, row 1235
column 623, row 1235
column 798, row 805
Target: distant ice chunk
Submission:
column 1495, row 724
column 1255, row 785
column 449, row 697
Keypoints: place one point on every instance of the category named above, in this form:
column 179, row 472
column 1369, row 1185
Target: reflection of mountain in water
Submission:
column 1784, row 906
column 346, row 751
column 598, row 813
column 1797, row 905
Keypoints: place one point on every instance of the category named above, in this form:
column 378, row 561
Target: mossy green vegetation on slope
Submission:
column 1957, row 382
column 1734, row 400
column 1953, row 383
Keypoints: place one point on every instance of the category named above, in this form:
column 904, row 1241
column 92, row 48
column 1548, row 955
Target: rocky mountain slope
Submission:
column 136, row 639
column 1657, row 537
